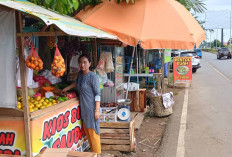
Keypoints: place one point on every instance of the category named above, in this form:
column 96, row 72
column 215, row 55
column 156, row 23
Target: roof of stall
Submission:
column 67, row 24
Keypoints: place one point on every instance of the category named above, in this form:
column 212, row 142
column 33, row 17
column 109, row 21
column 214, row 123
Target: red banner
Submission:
column 182, row 69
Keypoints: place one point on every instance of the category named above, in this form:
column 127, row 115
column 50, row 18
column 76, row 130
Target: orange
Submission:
column 56, row 57
column 40, row 65
column 37, row 68
column 32, row 66
column 28, row 64
column 36, row 62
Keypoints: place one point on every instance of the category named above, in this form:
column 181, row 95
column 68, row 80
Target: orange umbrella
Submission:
column 154, row 23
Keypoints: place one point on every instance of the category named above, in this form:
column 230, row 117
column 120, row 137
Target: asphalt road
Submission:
column 209, row 114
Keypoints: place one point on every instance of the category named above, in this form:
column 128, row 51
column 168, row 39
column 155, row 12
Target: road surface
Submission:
column 204, row 127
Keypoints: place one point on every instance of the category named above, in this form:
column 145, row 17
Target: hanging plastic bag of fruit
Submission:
column 33, row 60
column 51, row 40
column 58, row 66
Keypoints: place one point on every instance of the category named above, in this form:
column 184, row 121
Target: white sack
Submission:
column 168, row 99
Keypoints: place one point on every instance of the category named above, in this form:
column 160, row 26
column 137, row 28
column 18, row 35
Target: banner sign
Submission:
column 182, row 69
column 59, row 129
column 167, row 55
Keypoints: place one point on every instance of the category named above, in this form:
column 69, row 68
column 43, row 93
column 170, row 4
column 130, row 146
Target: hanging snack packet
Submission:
column 58, row 66
column 33, row 60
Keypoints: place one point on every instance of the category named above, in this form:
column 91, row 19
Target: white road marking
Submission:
column 218, row 71
column 180, row 152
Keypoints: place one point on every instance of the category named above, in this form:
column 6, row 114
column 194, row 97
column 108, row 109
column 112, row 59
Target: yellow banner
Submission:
column 59, row 129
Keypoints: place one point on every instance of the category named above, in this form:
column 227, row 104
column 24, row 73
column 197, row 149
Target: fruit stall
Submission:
column 33, row 119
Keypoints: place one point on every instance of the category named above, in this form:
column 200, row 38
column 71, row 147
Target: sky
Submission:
column 216, row 5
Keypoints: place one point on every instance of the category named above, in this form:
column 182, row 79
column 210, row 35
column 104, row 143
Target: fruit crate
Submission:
column 117, row 136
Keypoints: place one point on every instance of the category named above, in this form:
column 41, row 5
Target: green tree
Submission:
column 197, row 6
column 216, row 43
column 71, row 7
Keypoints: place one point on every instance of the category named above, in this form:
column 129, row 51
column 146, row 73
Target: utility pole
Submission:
column 230, row 22
column 210, row 39
column 222, row 38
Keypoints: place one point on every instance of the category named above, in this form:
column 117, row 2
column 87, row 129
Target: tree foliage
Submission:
column 197, row 6
column 71, row 7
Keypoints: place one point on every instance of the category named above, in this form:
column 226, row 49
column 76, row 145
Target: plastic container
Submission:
column 166, row 70
column 147, row 70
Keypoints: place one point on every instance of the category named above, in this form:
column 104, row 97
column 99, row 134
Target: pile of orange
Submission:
column 34, row 63
column 58, row 66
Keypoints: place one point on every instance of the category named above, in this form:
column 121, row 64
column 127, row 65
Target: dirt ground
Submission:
column 148, row 137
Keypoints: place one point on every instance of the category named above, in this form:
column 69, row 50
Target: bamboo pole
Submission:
column 24, row 84
column 130, row 72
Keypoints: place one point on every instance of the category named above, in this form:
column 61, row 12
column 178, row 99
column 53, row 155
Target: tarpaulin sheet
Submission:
column 67, row 24
column 7, row 59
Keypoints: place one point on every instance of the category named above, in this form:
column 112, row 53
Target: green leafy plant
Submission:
column 71, row 7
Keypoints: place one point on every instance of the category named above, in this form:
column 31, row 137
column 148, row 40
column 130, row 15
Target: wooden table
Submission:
column 158, row 75
column 143, row 75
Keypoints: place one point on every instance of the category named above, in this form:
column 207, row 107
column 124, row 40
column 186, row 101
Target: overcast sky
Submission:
column 216, row 5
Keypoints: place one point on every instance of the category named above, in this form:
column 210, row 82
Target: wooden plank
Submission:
column 139, row 120
column 103, row 135
column 132, row 102
column 125, row 148
column 114, row 125
column 116, row 138
column 22, row 65
column 81, row 154
column 137, row 109
column 39, row 113
column 132, row 134
column 3, row 118
column 133, row 95
column 12, row 112
column 40, row 34
column 141, row 100
column 110, row 141
column 115, row 131
column 145, row 99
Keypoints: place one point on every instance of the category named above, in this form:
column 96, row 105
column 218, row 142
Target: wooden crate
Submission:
column 138, row 99
column 117, row 136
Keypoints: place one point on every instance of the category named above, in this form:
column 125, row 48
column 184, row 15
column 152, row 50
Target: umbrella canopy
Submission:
column 154, row 23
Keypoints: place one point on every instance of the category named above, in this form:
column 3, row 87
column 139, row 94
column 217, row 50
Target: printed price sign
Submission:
column 182, row 69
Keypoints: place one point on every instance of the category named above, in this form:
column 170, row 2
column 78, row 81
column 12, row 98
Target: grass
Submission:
column 210, row 50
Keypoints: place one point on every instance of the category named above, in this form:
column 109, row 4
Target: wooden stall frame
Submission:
column 22, row 65
column 20, row 38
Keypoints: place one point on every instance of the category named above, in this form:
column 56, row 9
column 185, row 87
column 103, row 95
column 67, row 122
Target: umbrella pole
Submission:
column 137, row 65
column 130, row 72
column 162, row 83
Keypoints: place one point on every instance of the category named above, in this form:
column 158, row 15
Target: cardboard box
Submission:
column 108, row 114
